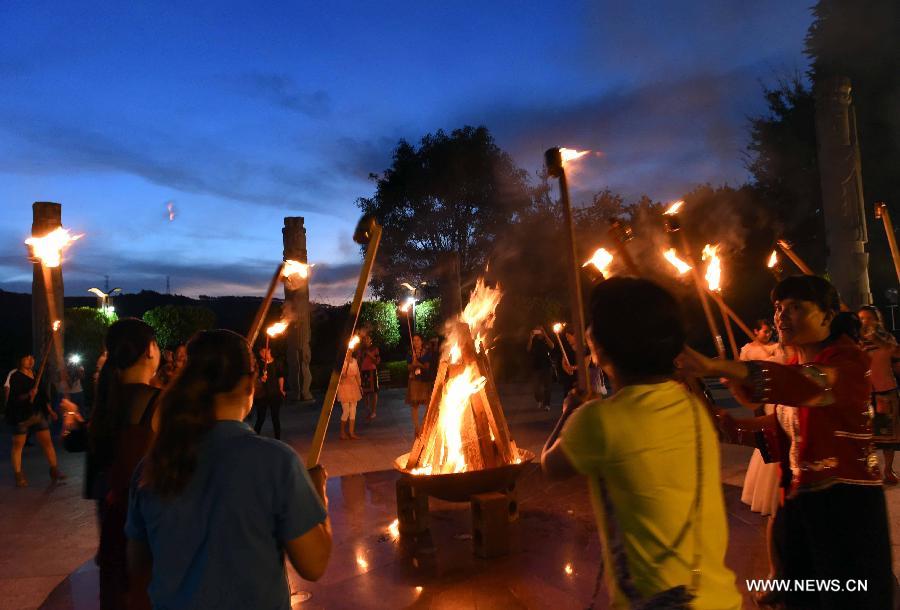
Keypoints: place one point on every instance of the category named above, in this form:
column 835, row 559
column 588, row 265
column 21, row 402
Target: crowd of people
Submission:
column 197, row 509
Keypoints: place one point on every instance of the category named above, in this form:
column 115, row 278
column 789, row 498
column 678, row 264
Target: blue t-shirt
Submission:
column 219, row 544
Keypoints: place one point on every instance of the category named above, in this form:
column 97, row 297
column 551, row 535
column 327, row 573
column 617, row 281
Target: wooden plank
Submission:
column 483, row 431
column 429, row 422
column 494, row 411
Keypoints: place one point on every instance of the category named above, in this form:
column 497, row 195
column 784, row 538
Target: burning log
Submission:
column 881, row 211
column 368, row 232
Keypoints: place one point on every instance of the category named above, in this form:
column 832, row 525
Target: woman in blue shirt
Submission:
column 214, row 507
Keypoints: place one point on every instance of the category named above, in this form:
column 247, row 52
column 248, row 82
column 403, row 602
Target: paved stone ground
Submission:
column 48, row 532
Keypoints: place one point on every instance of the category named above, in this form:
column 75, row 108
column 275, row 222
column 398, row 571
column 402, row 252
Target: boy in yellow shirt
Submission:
column 651, row 458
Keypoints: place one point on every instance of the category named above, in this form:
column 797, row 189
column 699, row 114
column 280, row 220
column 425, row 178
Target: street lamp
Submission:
column 105, row 305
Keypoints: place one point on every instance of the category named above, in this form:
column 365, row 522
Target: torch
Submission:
column 621, row 234
column 600, row 261
column 286, row 269
column 714, row 289
column 788, row 250
column 672, row 227
column 881, row 211
column 367, row 232
column 555, row 159
column 557, row 328
column 274, row 330
column 45, row 354
column 410, row 303
column 774, row 265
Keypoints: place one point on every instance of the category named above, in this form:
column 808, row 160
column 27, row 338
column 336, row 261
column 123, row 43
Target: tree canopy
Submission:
column 451, row 193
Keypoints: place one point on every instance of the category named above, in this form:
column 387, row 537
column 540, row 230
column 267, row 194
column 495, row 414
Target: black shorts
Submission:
column 35, row 423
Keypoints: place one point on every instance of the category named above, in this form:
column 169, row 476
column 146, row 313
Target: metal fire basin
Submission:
column 461, row 486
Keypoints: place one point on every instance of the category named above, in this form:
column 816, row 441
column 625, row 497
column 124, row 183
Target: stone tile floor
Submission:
column 48, row 532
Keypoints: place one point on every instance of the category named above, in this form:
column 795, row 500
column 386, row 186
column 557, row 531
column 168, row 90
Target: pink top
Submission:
column 349, row 390
column 881, row 370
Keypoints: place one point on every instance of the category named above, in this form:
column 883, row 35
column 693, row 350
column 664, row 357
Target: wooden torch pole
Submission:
column 369, row 232
column 264, row 307
column 881, row 211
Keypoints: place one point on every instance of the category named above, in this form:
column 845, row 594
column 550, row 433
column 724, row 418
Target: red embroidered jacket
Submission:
column 833, row 439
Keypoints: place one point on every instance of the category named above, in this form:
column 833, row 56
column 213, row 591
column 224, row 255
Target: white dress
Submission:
column 761, row 481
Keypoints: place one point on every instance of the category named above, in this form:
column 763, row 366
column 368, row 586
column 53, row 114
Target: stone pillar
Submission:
column 842, row 193
column 296, row 300
column 46, row 289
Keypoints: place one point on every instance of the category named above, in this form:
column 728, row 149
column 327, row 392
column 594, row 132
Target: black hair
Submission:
column 126, row 342
column 217, row 361
column 846, row 324
column 808, row 288
column 638, row 325
column 759, row 323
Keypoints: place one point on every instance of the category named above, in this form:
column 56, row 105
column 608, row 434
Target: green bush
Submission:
column 380, row 317
column 175, row 324
column 428, row 318
column 398, row 371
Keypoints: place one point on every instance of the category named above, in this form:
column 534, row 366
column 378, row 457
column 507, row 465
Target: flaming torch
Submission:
column 405, row 308
column 274, row 330
column 368, row 233
column 714, row 284
column 774, row 265
column 601, row 260
column 557, row 329
column 621, row 234
column 45, row 353
column 673, row 226
column 881, row 211
column 555, row 160
column 788, row 250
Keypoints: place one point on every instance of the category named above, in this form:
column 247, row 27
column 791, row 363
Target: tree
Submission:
column 174, row 324
column 86, row 332
column 451, row 194
column 380, row 317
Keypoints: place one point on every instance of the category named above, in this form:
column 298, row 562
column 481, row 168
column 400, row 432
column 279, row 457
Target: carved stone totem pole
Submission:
column 842, row 191
column 296, row 299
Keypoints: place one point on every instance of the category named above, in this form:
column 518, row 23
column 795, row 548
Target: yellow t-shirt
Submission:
column 641, row 443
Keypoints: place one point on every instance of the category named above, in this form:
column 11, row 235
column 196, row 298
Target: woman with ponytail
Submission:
column 214, row 508
column 833, row 522
column 118, row 437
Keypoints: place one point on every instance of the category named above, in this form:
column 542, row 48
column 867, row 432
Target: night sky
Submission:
column 243, row 113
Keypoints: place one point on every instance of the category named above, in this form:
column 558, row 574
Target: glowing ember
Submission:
column 557, row 328
column 568, row 154
column 49, row 248
column 674, row 208
column 568, row 569
column 601, row 260
column 296, row 268
column 418, row 589
column 277, row 328
column 453, row 406
column 56, row 325
column 362, row 563
column 680, row 266
column 773, row 259
column 422, row 470
column 714, row 269
column 455, row 354
column 394, row 529
column 354, row 341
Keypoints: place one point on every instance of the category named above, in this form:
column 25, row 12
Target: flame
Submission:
column 49, row 248
column 479, row 311
column 277, row 328
column 455, row 353
column 354, row 341
column 568, row 569
column 450, row 419
column 410, row 302
column 569, row 154
column 56, row 325
column 557, row 328
column 297, row 268
column 773, row 259
column 394, row 529
column 681, row 266
column 601, row 260
column 418, row 590
column 362, row 563
column 674, row 208
column 714, row 269
column 422, row 470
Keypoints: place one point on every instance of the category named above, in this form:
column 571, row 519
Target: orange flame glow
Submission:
column 557, row 328
column 277, row 328
column 49, row 248
column 479, row 311
column 409, row 303
column 297, row 268
column 773, row 259
column 601, row 260
column 456, row 401
column 354, row 341
column 680, row 266
column 569, row 154
column 714, row 269
column 455, row 353
column 56, row 325
column 674, row 208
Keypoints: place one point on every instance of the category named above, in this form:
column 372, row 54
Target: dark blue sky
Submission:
column 242, row 113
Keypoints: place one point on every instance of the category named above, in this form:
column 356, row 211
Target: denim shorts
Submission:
column 35, row 423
